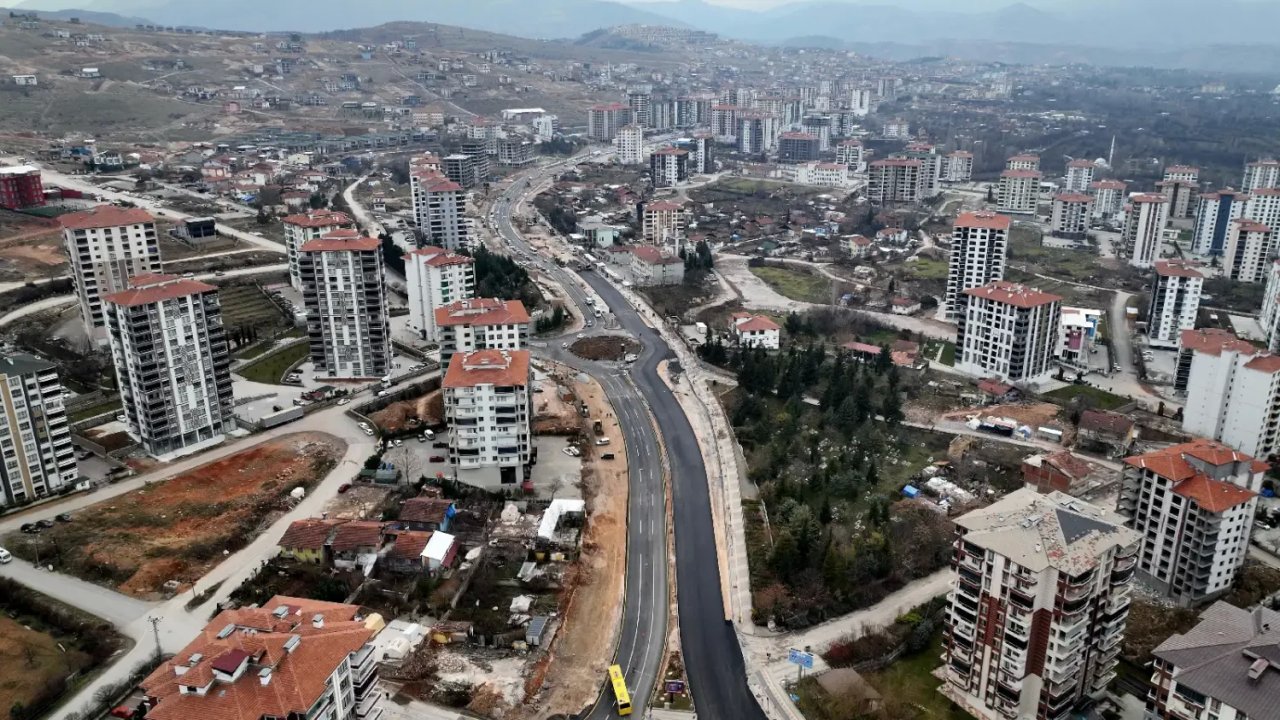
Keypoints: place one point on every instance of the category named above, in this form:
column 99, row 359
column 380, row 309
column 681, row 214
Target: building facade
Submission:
column 39, row 457
column 1072, row 213
column 630, row 144
column 1007, row 331
column 1269, row 317
column 1175, row 302
column 979, row 249
column 894, row 181
column 668, row 167
column 1018, row 192
column 1079, row 176
column 439, row 210
column 604, row 121
column 107, row 246
column 304, row 227
column 20, row 187
column 488, row 411
column 1233, row 396
column 1260, row 174
column 663, row 222
column 1144, row 228
column 481, row 324
column 798, row 147
column 1215, row 212
column 435, row 277
column 1039, row 603
column 1108, row 198
column 958, row 167
column 172, row 363
column 852, row 154
column 346, row 306
column 1193, row 506
column 1249, row 250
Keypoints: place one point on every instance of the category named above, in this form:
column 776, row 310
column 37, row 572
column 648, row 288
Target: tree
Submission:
column 392, row 255
column 317, row 200
column 991, row 194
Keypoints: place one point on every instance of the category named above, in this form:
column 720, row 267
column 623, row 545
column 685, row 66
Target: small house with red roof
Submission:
column 756, row 331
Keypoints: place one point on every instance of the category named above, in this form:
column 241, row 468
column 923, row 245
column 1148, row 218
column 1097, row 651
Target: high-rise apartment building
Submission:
column 1263, row 205
column 545, row 127
column 1181, row 195
column 304, row 227
column 630, row 144
column 1144, row 228
column 1261, row 174
column 1232, row 393
column 1038, row 607
column 481, row 324
column 20, row 187
column 487, row 408
column 604, row 121
column 1183, row 173
column 1269, row 317
column 668, row 167
column 663, row 222
column 930, row 167
column 1108, row 198
column 1215, row 212
column 435, row 278
column 851, row 154
column 291, row 658
column 797, row 147
column 701, row 154
column 1023, row 162
column 106, row 246
column 39, row 457
column 1072, row 213
column 1079, row 176
column 894, row 181
column 758, row 133
column 1007, row 331
column 466, row 170
column 1175, row 302
column 1193, row 505
column 172, row 363
column 439, row 210
column 979, row 247
column 346, row 306
column 958, row 167
column 639, row 101
column 1249, row 250
column 1018, row 192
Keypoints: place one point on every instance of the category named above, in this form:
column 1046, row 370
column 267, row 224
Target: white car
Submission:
column 5, row 556
column 602, row 441
column 343, row 401
column 368, row 432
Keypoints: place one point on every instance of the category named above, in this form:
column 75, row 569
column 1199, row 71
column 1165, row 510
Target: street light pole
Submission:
column 155, row 628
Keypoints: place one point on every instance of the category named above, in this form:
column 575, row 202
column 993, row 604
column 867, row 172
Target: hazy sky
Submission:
column 969, row 6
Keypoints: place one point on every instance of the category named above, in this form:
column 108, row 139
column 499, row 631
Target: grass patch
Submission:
column 1097, row 397
column 940, row 351
column 796, row 284
column 923, row 268
column 910, row 682
column 271, row 368
column 248, row 306
column 262, row 347
column 85, row 413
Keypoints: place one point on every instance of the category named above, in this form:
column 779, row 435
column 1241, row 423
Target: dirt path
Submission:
column 571, row 674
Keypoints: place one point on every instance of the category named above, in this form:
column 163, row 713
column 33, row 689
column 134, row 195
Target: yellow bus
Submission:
column 620, row 693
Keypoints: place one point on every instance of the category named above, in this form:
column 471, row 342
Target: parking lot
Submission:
column 556, row 474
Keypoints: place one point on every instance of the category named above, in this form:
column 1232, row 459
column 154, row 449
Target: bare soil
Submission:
column 555, row 411
column 604, row 347
column 1032, row 414
column 178, row 529
column 428, row 410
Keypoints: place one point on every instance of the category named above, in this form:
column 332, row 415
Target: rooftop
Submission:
column 19, row 364
column 105, row 216
column 318, row 219
column 1215, row 341
column 482, row 311
column 154, row 287
column 1105, row 421
column 341, row 241
column 308, row 533
column 1178, row 268
column 1013, row 294
column 488, row 367
column 1107, row 185
column 1042, row 531
column 1247, row 225
column 754, row 323
column 425, row 509
column 1072, row 197
column 1148, row 198
column 653, row 256
column 1021, row 174
column 1185, row 466
column 439, row 257
column 983, row 219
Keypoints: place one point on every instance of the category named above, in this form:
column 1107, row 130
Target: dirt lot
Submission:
column 428, row 410
column 30, row 659
column 1032, row 414
column 179, row 529
column 604, row 347
column 30, row 250
column 555, row 411
column 592, row 605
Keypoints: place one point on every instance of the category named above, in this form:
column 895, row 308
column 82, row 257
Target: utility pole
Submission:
column 155, row 629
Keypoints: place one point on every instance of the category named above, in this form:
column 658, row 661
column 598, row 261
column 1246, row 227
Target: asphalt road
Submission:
column 642, row 637
column 712, row 656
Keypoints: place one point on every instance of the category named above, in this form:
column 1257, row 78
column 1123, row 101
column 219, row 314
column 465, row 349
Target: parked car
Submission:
column 398, row 442
column 343, row 488
column 602, row 441
column 343, row 401
column 30, row 528
column 422, row 438
column 607, row 456
column 439, row 444
column 436, row 458
column 45, row 523
column 5, row 556
column 63, row 517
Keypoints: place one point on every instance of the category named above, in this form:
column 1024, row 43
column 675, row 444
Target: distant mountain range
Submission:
column 1162, row 29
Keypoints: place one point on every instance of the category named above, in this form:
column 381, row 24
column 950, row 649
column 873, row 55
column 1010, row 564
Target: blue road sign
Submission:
column 801, row 658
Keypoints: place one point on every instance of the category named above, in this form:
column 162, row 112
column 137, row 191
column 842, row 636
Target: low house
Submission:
column 866, row 352
column 1061, row 471
column 440, row 552
column 308, row 540
column 756, row 331
column 904, row 306
column 857, row 246
column 994, row 391
column 426, row 513
column 845, row 683
column 356, row 544
column 650, row 267
column 405, row 553
column 1106, row 431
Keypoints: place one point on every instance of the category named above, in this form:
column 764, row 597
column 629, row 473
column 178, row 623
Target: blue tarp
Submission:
column 910, row 491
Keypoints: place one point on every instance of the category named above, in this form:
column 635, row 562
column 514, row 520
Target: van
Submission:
column 429, row 434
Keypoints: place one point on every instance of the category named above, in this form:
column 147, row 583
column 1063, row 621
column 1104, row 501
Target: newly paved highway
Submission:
column 712, row 655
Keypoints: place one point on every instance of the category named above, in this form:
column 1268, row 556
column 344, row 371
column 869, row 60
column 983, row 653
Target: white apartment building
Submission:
column 702, row 150
column 1181, row 195
column 860, row 101
column 1007, row 331
column 630, row 144
column 439, row 210
column 819, row 174
column 1108, row 198
column 39, row 457
column 304, row 227
column 757, row 133
column 1175, row 302
column 435, row 278
column 1261, row 174
column 930, row 167
column 1193, row 505
column 1222, row 669
column 1249, row 251
column 604, row 121
column 1269, row 317
column 480, row 324
column 663, row 222
column 106, row 246
column 894, row 181
column 1038, row 605
column 1079, row 176
column 1072, row 213
column 346, row 306
column 897, row 129
column 544, row 127
column 291, row 658
column 756, row 331
column 487, row 408
column 1263, row 205
column 958, row 167
column 979, row 249
column 1182, row 173
column 668, row 167
column 1023, row 162
column 852, row 154
column 1233, row 396
column 1018, row 192
column 1214, row 214
column 172, row 363
column 1144, row 228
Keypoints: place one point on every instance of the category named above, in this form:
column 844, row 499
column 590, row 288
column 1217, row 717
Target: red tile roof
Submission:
column 994, row 388
column 1105, row 421
column 1080, row 163
column 1107, row 185
column 425, row 509
column 1073, row 197
column 961, row 154
column 1025, row 158
column 653, row 256
column 439, row 257
column 482, row 311
column 896, row 162
column 1148, row 198
column 409, row 544
column 105, row 216
column 663, row 206
column 1269, row 364
column 1182, row 169
column 1213, row 495
column 983, row 219
column 154, row 287
column 432, row 181
column 1215, row 341
column 670, row 151
column 755, row 323
column 1013, row 294
column 1171, row 463
column 1252, row 226
column 341, row 241
column 488, row 367
column 308, row 534
column 798, row 136
column 1178, row 268
column 1021, row 174
column 357, row 534
column 318, row 219
column 1070, row 465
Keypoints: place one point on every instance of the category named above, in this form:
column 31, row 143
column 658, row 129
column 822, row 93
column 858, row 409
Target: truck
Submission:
column 281, row 417
column 387, row 382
